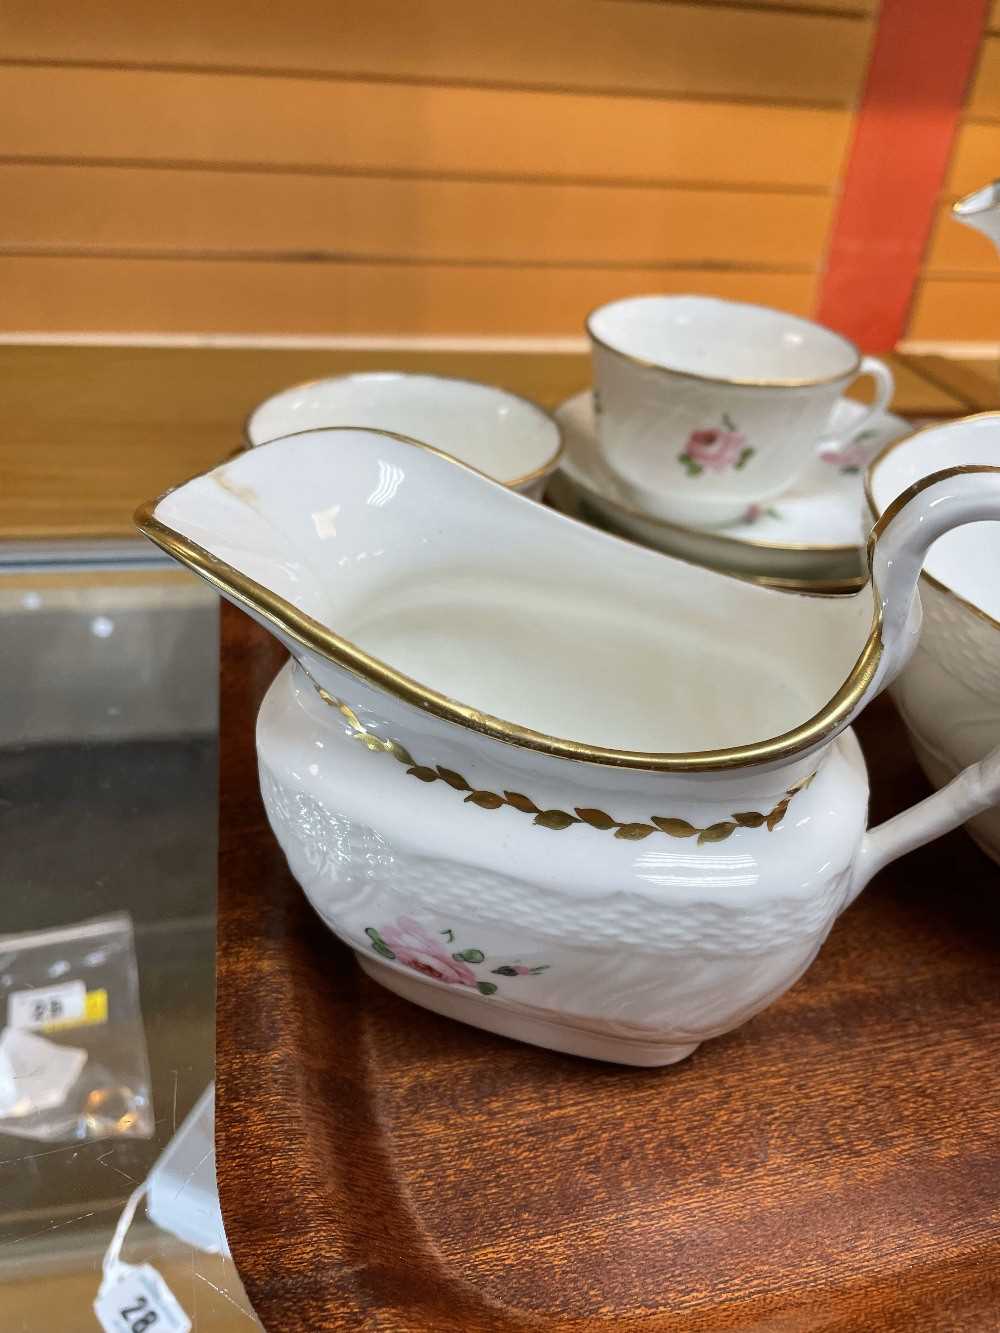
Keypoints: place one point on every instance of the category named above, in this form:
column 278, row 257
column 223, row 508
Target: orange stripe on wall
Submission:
column 921, row 63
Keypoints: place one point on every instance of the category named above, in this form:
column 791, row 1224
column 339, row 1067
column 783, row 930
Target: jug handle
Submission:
column 901, row 538
column 896, row 550
column 974, row 790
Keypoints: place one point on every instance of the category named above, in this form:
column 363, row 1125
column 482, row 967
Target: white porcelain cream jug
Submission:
column 540, row 779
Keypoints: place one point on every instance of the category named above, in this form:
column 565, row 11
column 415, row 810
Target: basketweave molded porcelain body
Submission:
column 949, row 692
column 543, row 780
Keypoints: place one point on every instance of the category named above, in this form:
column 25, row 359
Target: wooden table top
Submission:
column 833, row 1165
column 90, row 432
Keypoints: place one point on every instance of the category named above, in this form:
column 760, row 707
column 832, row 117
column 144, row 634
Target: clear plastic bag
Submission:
column 73, row 1062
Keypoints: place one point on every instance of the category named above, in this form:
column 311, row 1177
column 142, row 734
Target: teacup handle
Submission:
column 885, row 387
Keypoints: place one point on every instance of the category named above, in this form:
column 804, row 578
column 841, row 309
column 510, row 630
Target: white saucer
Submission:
column 811, row 538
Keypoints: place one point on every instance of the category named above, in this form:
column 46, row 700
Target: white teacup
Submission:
column 706, row 407
column 511, row 439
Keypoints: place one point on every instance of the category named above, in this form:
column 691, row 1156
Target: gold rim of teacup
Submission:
column 748, row 382
column 544, row 469
column 873, row 508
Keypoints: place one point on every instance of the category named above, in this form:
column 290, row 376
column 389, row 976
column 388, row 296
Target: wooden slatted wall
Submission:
column 419, row 166
column 958, row 296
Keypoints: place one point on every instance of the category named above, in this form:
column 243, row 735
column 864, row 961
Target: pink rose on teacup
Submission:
column 715, row 449
column 415, row 948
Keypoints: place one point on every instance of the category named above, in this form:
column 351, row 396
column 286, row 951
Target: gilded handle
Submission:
column 898, row 544
column 901, row 538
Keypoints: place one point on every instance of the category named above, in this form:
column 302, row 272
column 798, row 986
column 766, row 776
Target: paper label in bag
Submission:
column 95, row 1011
column 135, row 1299
column 43, row 1006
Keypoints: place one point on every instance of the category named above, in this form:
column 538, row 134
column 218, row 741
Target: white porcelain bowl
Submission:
column 511, row 439
column 949, row 694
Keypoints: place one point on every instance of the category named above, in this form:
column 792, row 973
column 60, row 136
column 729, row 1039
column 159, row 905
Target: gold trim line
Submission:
column 629, row 830
column 303, row 629
column 717, row 536
column 853, row 369
column 932, row 579
column 591, row 517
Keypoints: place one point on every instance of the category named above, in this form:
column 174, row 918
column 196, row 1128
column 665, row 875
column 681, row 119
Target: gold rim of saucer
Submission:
column 716, row 535
column 726, row 379
column 873, row 509
column 543, row 470
column 818, row 587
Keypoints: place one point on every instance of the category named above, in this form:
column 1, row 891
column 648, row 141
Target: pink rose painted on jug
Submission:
column 711, row 449
column 406, row 941
column 414, row 947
